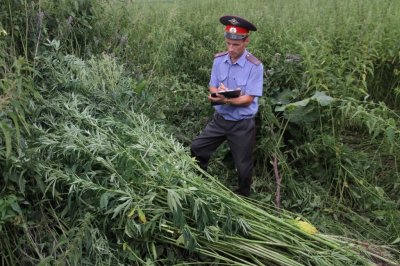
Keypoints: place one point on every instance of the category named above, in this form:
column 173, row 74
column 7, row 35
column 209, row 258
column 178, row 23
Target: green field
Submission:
column 99, row 101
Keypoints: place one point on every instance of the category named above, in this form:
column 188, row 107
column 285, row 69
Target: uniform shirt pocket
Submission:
column 222, row 78
column 241, row 84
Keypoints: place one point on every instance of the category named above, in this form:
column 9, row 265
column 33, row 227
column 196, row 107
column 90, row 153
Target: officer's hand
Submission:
column 216, row 98
column 222, row 87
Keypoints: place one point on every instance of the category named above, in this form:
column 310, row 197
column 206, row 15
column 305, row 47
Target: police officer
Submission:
column 234, row 119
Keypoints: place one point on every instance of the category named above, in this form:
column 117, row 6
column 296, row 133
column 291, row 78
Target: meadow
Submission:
column 100, row 100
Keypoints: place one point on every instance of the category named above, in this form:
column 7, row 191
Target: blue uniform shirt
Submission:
column 244, row 75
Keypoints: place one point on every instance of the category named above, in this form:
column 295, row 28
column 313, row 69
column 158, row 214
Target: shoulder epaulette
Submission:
column 253, row 59
column 220, row 54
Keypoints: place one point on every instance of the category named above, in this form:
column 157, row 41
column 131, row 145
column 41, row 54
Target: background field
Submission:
column 99, row 102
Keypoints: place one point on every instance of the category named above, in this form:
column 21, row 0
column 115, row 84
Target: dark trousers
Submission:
column 241, row 139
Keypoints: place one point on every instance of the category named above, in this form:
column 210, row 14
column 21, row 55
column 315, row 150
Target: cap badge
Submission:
column 233, row 21
column 232, row 30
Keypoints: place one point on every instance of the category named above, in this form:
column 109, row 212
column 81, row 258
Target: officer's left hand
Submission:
column 217, row 98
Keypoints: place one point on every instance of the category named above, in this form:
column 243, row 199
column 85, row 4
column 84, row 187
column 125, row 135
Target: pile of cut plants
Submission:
column 105, row 184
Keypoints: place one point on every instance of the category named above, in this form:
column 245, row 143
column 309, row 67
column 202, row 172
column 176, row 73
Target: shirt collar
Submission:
column 241, row 61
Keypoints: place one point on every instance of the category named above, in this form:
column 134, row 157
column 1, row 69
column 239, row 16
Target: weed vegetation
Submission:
column 99, row 101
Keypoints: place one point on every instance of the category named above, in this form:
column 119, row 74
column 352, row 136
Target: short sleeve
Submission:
column 214, row 75
column 255, row 82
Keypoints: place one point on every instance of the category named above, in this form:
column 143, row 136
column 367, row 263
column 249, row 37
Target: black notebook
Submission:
column 228, row 94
